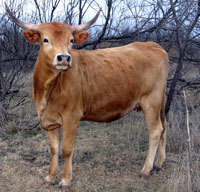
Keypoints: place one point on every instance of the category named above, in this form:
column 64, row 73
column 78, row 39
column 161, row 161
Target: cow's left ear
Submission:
column 32, row 36
column 80, row 36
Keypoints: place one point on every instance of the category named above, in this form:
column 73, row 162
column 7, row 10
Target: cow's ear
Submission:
column 80, row 36
column 32, row 36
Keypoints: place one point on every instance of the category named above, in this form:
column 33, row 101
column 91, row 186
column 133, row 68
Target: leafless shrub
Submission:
column 15, row 56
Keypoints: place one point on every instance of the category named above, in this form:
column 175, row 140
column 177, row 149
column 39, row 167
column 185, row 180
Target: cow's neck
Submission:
column 43, row 80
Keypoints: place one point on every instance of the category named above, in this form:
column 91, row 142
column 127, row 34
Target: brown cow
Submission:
column 100, row 85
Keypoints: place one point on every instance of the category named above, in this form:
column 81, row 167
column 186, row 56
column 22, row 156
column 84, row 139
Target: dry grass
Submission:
column 186, row 174
column 107, row 157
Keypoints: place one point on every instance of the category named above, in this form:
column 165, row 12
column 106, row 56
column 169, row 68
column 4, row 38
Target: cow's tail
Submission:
column 162, row 112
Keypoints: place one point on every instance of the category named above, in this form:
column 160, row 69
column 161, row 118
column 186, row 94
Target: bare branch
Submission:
column 106, row 23
column 54, row 6
column 39, row 12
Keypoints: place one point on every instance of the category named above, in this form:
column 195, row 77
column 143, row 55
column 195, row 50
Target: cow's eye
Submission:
column 45, row 40
column 71, row 40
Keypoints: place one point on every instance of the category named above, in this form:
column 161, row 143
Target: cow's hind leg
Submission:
column 54, row 140
column 161, row 152
column 151, row 107
column 162, row 144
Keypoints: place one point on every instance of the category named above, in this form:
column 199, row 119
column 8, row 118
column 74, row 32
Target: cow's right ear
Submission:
column 31, row 35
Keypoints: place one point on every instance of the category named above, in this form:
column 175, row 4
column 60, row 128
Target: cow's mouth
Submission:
column 62, row 61
column 62, row 66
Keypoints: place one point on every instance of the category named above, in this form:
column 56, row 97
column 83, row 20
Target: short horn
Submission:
column 18, row 22
column 86, row 25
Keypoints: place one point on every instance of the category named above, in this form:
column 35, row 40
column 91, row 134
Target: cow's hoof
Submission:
column 156, row 168
column 47, row 181
column 47, row 184
column 64, row 186
column 144, row 176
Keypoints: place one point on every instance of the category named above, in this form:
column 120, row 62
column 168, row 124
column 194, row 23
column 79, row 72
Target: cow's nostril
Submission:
column 68, row 58
column 59, row 57
column 64, row 58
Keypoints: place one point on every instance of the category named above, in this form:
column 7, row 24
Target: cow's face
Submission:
column 56, row 40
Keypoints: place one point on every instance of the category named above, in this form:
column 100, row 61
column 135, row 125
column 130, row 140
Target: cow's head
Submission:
column 55, row 39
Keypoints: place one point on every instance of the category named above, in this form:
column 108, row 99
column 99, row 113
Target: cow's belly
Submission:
column 110, row 114
column 102, row 117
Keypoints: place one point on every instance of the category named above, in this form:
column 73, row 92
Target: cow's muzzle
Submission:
column 62, row 61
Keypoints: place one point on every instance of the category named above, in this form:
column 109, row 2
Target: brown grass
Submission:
column 107, row 158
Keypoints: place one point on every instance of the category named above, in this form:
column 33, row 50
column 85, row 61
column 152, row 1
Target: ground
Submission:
column 107, row 157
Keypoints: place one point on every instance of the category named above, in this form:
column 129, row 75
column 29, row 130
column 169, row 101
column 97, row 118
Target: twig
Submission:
column 106, row 24
column 189, row 143
column 187, row 120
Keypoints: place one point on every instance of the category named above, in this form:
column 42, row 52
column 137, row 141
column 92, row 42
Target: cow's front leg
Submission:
column 54, row 140
column 70, row 125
